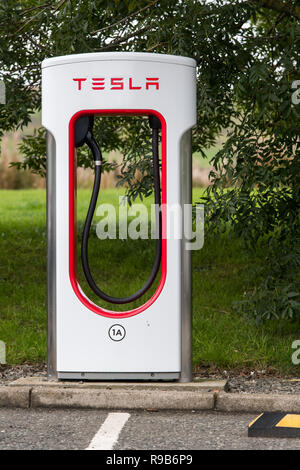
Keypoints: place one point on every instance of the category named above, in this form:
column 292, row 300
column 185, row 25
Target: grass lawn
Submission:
column 222, row 339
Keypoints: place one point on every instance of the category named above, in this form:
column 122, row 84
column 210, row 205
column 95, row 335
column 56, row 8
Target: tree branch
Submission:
column 125, row 38
column 124, row 19
column 46, row 6
column 279, row 6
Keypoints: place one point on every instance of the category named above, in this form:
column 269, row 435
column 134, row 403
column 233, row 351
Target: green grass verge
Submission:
column 221, row 337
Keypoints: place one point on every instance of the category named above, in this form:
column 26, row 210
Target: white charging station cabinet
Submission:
column 156, row 337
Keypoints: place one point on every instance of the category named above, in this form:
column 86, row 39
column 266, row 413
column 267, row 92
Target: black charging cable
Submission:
column 84, row 134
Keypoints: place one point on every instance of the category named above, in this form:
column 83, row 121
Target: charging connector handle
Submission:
column 91, row 142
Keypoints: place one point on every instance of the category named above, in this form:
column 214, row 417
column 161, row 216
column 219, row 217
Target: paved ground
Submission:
column 76, row 429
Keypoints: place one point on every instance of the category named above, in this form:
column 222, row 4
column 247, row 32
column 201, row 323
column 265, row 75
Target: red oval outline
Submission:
column 72, row 198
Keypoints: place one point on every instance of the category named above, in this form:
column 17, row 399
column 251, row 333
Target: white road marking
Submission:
column 109, row 432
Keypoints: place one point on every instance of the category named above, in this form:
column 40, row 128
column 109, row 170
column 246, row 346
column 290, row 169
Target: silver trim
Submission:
column 51, row 257
column 186, row 261
column 119, row 375
column 119, row 56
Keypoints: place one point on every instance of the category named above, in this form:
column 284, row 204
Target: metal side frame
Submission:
column 51, row 257
column 186, row 259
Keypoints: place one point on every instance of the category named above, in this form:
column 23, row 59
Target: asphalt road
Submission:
column 76, row 429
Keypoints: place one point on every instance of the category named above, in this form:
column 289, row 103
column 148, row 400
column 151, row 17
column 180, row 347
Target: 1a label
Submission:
column 117, row 332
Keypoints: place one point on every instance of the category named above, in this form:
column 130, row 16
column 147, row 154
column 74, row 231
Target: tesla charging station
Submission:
column 85, row 340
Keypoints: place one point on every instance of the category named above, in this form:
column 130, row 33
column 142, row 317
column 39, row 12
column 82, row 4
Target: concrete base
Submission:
column 41, row 392
column 197, row 386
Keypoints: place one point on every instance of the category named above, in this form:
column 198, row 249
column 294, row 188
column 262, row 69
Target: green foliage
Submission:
column 256, row 174
column 34, row 149
column 275, row 291
column 247, row 54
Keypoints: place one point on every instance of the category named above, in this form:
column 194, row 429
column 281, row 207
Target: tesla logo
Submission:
column 116, row 83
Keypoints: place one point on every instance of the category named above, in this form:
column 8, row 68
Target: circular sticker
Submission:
column 117, row 332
